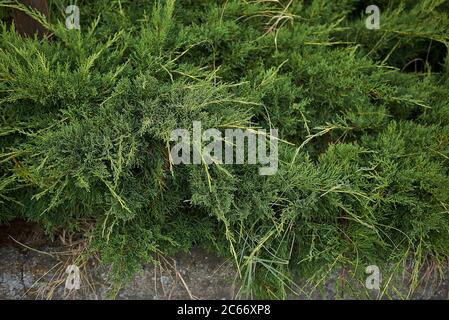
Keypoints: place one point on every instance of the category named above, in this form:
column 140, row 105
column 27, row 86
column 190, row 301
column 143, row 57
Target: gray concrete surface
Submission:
column 27, row 274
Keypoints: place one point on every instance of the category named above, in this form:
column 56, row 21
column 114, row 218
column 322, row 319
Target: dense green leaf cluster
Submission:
column 86, row 117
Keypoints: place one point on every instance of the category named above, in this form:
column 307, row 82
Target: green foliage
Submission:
column 86, row 118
